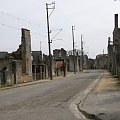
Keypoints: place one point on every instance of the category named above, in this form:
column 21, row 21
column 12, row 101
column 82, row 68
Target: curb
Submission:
column 24, row 84
column 32, row 83
column 76, row 106
column 87, row 91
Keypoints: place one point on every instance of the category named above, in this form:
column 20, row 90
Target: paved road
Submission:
column 44, row 101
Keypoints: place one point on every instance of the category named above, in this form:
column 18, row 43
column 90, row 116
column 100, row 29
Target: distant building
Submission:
column 110, row 55
column 70, row 60
column 85, row 62
column 91, row 64
column 59, row 61
column 101, row 61
column 38, row 66
column 79, row 62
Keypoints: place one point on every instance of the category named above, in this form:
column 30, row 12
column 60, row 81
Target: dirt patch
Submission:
column 108, row 83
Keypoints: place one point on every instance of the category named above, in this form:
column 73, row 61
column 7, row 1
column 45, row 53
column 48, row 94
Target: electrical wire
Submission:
column 9, row 26
column 18, row 18
column 20, row 29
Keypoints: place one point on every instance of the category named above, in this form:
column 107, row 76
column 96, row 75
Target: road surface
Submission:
column 45, row 101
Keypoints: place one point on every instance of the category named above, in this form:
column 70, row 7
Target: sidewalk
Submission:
column 35, row 82
column 103, row 102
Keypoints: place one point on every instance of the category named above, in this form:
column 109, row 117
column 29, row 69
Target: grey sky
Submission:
column 92, row 18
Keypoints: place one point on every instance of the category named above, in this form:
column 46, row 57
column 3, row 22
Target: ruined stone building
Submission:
column 59, row 62
column 114, row 50
column 110, row 55
column 24, row 65
column 24, row 54
column 6, row 75
column 101, row 61
column 39, row 66
column 78, row 60
column 70, row 63
column 16, row 67
column 46, row 61
column 112, row 60
column 91, row 64
column 116, row 47
column 63, row 61
column 85, row 62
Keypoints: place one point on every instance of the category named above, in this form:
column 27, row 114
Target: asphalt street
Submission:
column 45, row 101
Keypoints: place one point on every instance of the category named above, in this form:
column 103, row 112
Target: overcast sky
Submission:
column 94, row 19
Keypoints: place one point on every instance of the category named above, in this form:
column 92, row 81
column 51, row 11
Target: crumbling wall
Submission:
column 71, row 63
column 26, row 56
column 17, row 71
column 23, row 53
column 116, row 48
column 6, row 73
column 101, row 61
column 45, row 59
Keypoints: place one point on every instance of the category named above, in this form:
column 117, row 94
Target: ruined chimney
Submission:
column 108, row 40
column 116, row 20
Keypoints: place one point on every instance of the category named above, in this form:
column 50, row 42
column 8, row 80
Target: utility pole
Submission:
column 40, row 45
column 73, row 28
column 81, row 53
column 40, row 51
column 103, row 51
column 52, row 6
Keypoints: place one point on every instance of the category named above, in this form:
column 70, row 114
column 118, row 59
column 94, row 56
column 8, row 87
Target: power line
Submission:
column 59, row 30
column 38, row 34
column 20, row 29
column 9, row 26
column 19, row 19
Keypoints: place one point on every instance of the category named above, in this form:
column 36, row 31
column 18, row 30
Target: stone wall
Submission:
column 6, row 72
column 17, row 71
column 114, row 50
column 91, row 64
column 101, row 61
column 26, row 55
column 23, row 53
column 71, row 63
column 59, row 62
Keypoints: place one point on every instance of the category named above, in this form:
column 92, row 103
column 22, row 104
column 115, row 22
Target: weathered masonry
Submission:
column 59, row 61
column 6, row 76
column 26, row 55
column 16, row 67
column 114, row 50
column 116, row 47
column 39, row 67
